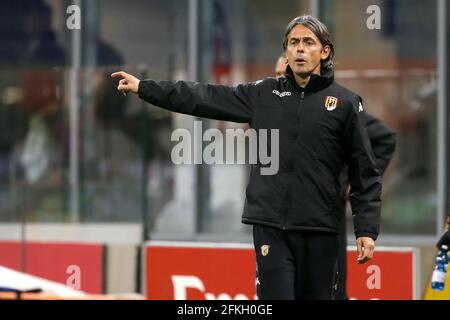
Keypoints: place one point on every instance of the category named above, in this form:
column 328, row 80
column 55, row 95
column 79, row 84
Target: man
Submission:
column 280, row 66
column 382, row 140
column 295, row 213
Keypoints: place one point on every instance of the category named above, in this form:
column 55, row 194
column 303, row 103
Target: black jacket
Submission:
column 314, row 146
column 382, row 140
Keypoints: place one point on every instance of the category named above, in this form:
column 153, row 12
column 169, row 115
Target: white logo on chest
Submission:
column 281, row 94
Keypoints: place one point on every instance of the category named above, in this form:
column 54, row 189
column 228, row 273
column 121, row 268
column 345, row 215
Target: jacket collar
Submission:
column 316, row 82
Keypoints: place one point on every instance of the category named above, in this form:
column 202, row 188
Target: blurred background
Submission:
column 80, row 163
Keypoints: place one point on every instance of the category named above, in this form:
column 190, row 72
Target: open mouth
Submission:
column 300, row 60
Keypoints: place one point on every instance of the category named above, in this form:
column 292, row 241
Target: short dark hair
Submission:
column 321, row 32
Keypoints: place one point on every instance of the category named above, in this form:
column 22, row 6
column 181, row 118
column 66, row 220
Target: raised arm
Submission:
column 197, row 99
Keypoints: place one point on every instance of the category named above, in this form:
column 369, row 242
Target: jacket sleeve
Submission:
column 201, row 100
column 382, row 140
column 364, row 176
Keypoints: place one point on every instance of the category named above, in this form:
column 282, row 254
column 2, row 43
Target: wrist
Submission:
column 139, row 88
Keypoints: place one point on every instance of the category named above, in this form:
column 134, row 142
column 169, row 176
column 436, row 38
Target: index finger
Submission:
column 118, row 74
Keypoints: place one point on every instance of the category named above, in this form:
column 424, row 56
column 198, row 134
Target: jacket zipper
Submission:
column 302, row 96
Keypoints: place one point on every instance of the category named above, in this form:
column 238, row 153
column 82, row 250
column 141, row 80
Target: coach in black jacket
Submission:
column 382, row 141
column 295, row 212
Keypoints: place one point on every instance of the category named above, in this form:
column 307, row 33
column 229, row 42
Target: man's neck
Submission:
column 302, row 81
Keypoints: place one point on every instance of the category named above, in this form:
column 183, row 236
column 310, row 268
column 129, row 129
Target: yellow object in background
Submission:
column 431, row 294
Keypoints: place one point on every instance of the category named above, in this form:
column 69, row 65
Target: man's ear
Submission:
column 284, row 56
column 325, row 53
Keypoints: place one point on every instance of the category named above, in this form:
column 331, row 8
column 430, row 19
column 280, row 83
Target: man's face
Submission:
column 280, row 67
column 305, row 52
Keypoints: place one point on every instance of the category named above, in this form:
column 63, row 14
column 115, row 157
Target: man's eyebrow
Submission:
column 304, row 38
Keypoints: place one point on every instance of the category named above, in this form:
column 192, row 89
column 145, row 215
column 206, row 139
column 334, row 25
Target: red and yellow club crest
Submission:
column 331, row 103
column 265, row 250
